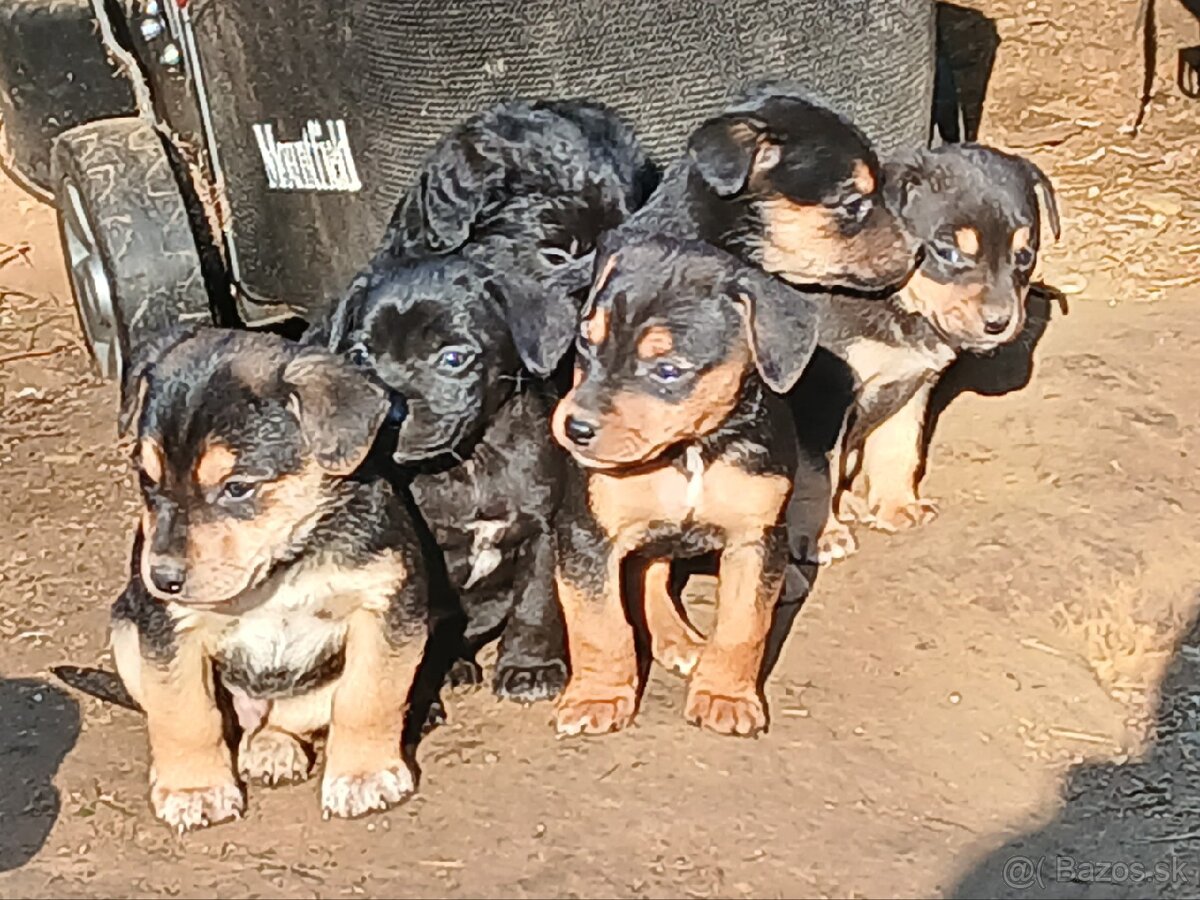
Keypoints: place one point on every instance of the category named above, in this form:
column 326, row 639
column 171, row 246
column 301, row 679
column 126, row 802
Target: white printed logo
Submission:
column 320, row 161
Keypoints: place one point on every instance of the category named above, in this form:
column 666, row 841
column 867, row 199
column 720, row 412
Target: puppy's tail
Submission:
column 106, row 686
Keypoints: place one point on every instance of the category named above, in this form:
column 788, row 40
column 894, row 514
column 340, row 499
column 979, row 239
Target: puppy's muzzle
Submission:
column 168, row 575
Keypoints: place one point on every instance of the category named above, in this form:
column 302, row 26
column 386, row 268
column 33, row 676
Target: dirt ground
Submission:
column 1002, row 702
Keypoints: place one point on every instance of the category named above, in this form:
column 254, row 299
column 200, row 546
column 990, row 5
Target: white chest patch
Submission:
column 485, row 555
column 872, row 360
column 288, row 624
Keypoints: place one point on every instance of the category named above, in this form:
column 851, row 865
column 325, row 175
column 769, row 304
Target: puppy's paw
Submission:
column 529, row 684
column 892, row 517
column 741, row 714
column 272, row 757
column 595, row 708
column 190, row 808
column 350, row 796
column 465, row 674
column 435, row 716
column 835, row 543
column 679, row 651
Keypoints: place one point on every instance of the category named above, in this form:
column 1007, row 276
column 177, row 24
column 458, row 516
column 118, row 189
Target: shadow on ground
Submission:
column 1124, row 830
column 39, row 725
column 967, row 42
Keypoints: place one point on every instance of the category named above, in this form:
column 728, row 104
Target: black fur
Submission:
column 461, row 311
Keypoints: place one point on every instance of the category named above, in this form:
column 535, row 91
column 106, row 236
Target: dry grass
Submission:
column 1129, row 631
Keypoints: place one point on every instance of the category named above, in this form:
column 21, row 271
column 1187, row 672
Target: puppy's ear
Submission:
column 1033, row 178
column 338, row 408
column 452, row 196
column 139, row 369
column 347, row 314
column 541, row 320
column 783, row 326
column 903, row 177
column 729, row 148
column 1040, row 183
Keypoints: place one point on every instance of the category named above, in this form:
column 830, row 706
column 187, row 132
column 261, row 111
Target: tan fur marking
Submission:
column 723, row 692
column 187, row 742
column 967, row 239
column 226, row 556
column 371, row 699
column 641, row 426
column 955, row 308
column 674, row 643
column 305, row 713
column 892, row 462
column 602, row 693
column 595, row 327
column 1021, row 237
column 127, row 656
column 804, row 244
column 864, row 180
column 610, row 266
column 655, row 341
column 215, row 464
column 150, row 457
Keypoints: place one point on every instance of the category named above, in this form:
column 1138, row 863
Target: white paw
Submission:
column 835, row 543
column 892, row 517
column 186, row 810
column 350, row 796
column 273, row 757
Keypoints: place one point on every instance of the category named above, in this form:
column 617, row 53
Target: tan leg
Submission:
column 364, row 768
column 891, row 462
column 274, row 756
column 723, row 694
column 602, row 693
column 837, row 540
column 673, row 642
column 191, row 772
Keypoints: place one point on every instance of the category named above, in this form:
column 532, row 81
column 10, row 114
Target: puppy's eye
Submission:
column 949, row 254
column 856, row 207
column 359, row 356
column 666, row 372
column 238, row 490
column 453, row 359
column 1023, row 258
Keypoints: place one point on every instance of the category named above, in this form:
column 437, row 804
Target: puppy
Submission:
column 267, row 569
column 789, row 186
column 510, row 199
column 684, row 448
column 975, row 211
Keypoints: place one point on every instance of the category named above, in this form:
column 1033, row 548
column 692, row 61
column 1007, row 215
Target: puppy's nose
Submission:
column 997, row 324
column 579, row 431
column 168, row 576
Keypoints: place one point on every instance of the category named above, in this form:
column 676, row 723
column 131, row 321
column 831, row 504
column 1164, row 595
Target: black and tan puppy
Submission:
column 975, row 211
column 267, row 567
column 685, row 448
column 787, row 185
column 510, row 200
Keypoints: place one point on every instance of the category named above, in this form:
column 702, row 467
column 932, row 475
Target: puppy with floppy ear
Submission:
column 268, row 565
column 685, row 448
column 977, row 213
column 788, row 185
column 465, row 340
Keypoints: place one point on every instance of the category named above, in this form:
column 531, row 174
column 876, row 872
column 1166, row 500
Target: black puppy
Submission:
column 515, row 195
